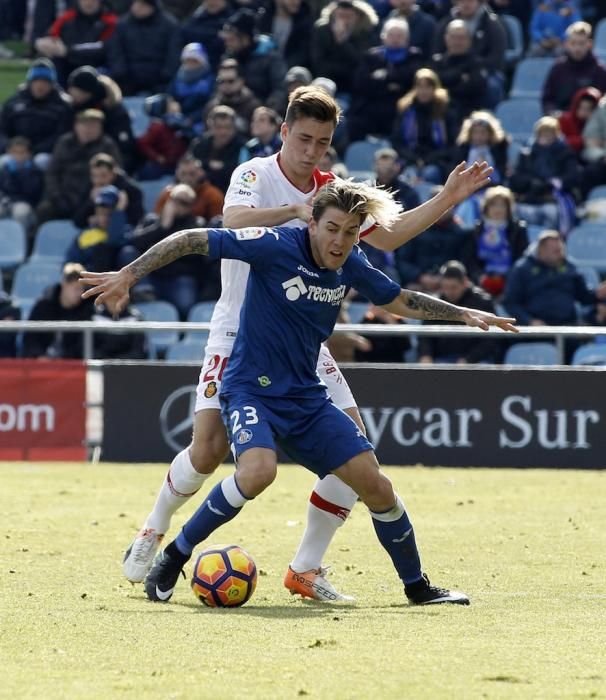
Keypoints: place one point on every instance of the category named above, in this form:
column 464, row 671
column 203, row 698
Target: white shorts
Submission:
column 215, row 361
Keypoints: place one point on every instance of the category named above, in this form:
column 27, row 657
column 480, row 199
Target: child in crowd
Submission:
column 192, row 85
column 265, row 129
column 573, row 121
column 21, row 183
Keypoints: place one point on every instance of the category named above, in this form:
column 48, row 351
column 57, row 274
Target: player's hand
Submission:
column 110, row 288
column 463, row 181
column 484, row 319
column 303, row 211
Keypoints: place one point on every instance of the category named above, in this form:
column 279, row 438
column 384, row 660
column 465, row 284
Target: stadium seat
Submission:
column 159, row 311
column 360, row 155
column 151, row 191
column 362, row 175
column 424, row 190
column 356, row 311
column 199, row 313
column 518, row 117
column 515, row 39
column 529, row 78
column 513, row 153
column 534, row 230
column 139, row 119
column 53, row 239
column 185, row 350
column 587, row 247
column 590, row 354
column 12, row 244
column 599, row 39
column 591, row 276
column 598, row 192
column 32, row 278
column 532, row 354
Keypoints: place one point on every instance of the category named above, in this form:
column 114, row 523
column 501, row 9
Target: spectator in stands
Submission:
column 8, row 312
column 95, row 248
column 265, row 130
column 231, row 91
column 261, row 64
column 547, row 179
column 572, row 122
column 384, row 74
column 330, row 162
column 290, row 24
column 296, row 76
column 346, row 28
column 489, row 42
column 544, row 286
column 577, row 68
column 192, row 85
column 457, row 288
column 594, row 152
column 420, row 24
column 123, row 346
column 208, row 203
column 548, row 24
column 90, row 90
column 218, row 149
column 143, row 53
column 419, row 261
column 67, row 182
column 177, row 282
column 498, row 240
column 522, row 9
column 382, row 348
column 21, row 183
column 204, row 27
column 424, row 130
column 166, row 139
column 388, row 168
column 78, row 37
column 61, row 302
column 180, row 9
column 461, row 72
column 40, row 112
column 103, row 172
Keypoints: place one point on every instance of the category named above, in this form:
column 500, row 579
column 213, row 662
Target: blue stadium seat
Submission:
column 529, row 77
column 151, row 191
column 587, row 247
column 590, row 354
column 199, row 313
column 599, row 39
column 424, row 190
column 185, row 350
column 598, row 192
column 360, row 155
column 362, row 175
column 531, row 354
column 518, row 117
column 591, row 276
column 13, row 244
column 356, row 311
column 534, row 230
column 32, row 278
column 139, row 119
column 53, row 239
column 515, row 38
column 159, row 311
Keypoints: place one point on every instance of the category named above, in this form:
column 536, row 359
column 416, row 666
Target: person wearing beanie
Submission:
column 262, row 65
column 39, row 111
column 166, row 139
column 192, row 85
column 143, row 54
column 78, row 37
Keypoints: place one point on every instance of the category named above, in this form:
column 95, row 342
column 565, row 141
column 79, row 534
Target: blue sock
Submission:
column 222, row 504
column 397, row 536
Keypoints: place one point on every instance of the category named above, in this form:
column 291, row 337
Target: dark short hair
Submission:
column 20, row 141
column 102, row 160
column 312, row 102
column 454, row 270
column 231, row 64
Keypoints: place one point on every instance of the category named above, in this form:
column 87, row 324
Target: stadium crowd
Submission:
column 133, row 115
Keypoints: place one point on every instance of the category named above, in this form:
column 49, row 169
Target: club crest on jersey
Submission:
column 264, row 381
column 244, row 436
column 211, row 390
column 248, row 178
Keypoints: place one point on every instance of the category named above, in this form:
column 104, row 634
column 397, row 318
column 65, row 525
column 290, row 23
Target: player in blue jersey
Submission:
column 271, row 393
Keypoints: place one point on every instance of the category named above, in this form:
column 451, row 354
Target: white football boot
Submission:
column 139, row 557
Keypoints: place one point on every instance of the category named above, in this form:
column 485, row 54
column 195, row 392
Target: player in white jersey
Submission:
column 277, row 191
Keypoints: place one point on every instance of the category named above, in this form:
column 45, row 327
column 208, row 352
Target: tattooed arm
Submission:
column 425, row 307
column 111, row 288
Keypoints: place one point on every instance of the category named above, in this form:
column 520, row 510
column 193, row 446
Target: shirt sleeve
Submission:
column 369, row 281
column 256, row 246
column 245, row 187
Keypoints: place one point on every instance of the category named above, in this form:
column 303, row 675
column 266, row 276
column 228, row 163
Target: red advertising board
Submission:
column 42, row 410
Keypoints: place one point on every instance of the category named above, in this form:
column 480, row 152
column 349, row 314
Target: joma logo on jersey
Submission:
column 295, row 288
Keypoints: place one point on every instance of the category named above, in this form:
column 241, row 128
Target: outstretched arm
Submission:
column 111, row 288
column 462, row 183
column 425, row 307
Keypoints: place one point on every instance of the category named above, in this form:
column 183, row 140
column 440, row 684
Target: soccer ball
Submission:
column 224, row 576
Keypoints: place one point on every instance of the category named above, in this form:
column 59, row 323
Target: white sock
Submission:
column 181, row 483
column 329, row 505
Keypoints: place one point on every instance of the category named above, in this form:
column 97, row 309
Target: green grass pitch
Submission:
column 528, row 546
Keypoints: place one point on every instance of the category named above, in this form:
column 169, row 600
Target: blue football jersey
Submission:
column 290, row 308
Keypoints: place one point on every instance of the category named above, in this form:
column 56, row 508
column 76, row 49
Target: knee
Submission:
column 206, row 454
column 254, row 477
column 379, row 494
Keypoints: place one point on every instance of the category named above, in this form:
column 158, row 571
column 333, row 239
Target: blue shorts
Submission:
column 315, row 433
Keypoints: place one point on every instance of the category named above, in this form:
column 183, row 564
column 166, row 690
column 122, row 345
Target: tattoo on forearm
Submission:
column 431, row 308
column 190, row 241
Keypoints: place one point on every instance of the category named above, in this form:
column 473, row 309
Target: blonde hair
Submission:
column 497, row 133
column 357, row 198
column 440, row 98
column 498, row 192
column 547, row 123
column 582, row 28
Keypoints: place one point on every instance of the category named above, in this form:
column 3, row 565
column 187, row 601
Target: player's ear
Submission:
column 284, row 130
